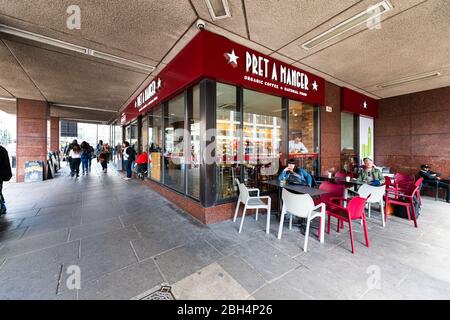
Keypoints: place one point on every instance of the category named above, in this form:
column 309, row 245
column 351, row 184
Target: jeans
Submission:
column 75, row 166
column 2, row 200
column 85, row 164
column 128, row 164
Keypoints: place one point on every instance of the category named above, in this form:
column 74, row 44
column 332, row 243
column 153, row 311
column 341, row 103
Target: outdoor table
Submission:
column 295, row 188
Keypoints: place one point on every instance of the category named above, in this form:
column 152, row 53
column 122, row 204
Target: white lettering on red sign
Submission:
column 148, row 93
column 259, row 66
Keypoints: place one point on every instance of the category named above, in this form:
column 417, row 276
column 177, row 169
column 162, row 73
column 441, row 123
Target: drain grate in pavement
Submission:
column 164, row 293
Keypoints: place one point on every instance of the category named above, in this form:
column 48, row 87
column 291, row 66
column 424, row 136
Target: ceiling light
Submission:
column 73, row 47
column 7, row 99
column 409, row 79
column 364, row 17
column 218, row 9
column 80, row 107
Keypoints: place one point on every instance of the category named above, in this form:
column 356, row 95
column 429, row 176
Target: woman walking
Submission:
column 86, row 156
column 75, row 160
column 103, row 157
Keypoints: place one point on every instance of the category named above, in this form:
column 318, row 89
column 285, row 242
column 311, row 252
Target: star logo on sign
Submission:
column 315, row 85
column 365, row 105
column 232, row 58
column 158, row 83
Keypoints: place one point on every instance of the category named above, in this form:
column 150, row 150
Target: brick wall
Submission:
column 330, row 127
column 414, row 129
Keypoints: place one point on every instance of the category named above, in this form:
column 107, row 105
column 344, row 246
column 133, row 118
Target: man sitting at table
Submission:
column 291, row 174
column 297, row 146
column 433, row 178
column 370, row 174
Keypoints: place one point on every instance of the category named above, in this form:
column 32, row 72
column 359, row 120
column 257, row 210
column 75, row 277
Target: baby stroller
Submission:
column 141, row 170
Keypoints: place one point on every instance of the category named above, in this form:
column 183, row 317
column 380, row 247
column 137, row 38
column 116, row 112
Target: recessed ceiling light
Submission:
column 73, row 47
column 218, row 9
column 80, row 107
column 409, row 79
column 370, row 14
column 7, row 99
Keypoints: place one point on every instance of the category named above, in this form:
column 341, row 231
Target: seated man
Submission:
column 293, row 175
column 433, row 178
column 370, row 174
column 297, row 146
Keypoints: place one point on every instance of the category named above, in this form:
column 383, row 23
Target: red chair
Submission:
column 339, row 177
column 353, row 211
column 335, row 193
column 403, row 180
column 405, row 199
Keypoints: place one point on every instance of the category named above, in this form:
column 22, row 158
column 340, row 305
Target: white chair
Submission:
column 302, row 205
column 376, row 196
column 251, row 203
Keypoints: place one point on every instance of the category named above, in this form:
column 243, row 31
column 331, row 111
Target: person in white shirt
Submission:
column 75, row 160
column 297, row 146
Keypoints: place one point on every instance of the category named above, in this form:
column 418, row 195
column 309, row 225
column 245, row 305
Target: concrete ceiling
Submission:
column 412, row 39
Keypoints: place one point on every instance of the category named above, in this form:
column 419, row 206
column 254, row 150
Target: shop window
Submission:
column 263, row 136
column 174, row 162
column 194, row 156
column 227, row 141
column 349, row 153
column 144, row 134
column 155, row 136
column 303, row 136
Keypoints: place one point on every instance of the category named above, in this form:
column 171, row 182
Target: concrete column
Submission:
column 32, row 117
column 54, row 133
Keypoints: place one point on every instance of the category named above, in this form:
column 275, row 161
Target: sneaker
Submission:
column 126, row 178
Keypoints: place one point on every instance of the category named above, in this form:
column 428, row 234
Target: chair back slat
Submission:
column 299, row 205
column 355, row 207
column 376, row 193
column 243, row 192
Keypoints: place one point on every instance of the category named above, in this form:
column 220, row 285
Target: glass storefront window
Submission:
column 302, row 145
column 348, row 152
column 194, row 156
column 174, row 164
column 144, row 134
column 263, row 135
column 227, row 141
column 155, row 142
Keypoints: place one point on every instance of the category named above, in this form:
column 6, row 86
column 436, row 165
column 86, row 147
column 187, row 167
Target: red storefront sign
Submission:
column 216, row 57
column 355, row 102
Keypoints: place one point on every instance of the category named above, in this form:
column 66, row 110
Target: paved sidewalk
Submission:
column 127, row 241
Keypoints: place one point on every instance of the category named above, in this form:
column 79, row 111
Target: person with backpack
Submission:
column 129, row 155
column 5, row 175
column 86, row 157
column 103, row 157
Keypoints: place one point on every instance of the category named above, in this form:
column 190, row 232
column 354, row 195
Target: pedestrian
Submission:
column 92, row 152
column 103, row 157
column 5, row 175
column 86, row 157
column 129, row 155
column 99, row 148
column 75, row 160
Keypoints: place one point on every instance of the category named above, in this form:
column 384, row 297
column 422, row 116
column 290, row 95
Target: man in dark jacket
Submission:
column 5, row 175
column 433, row 179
